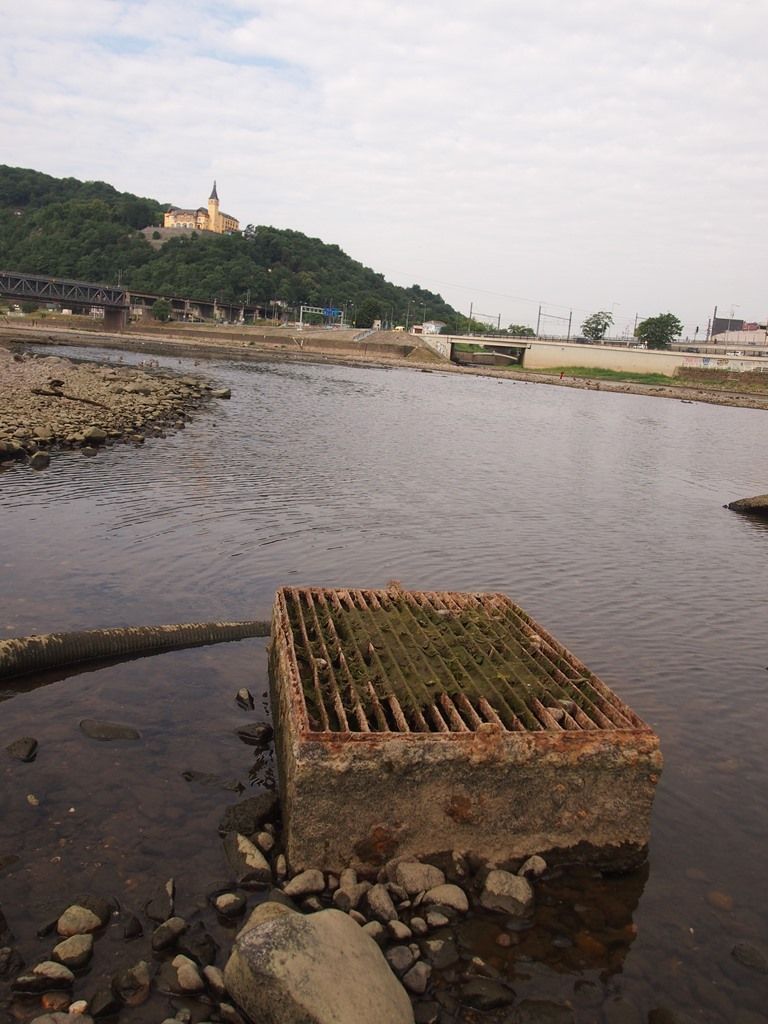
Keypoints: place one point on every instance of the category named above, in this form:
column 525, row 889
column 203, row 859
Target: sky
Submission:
column 573, row 155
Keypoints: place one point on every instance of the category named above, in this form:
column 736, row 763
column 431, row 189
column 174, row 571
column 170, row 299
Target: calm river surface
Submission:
column 600, row 514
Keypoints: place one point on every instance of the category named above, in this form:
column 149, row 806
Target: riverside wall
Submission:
column 546, row 355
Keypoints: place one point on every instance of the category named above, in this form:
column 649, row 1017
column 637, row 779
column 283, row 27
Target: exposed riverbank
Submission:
column 260, row 346
column 50, row 403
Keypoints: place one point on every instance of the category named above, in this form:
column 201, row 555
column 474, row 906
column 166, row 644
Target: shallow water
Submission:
column 601, row 514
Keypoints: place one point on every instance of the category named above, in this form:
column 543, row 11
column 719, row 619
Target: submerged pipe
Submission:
column 25, row 654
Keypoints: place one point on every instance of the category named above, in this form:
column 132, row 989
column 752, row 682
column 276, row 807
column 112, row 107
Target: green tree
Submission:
column 518, row 331
column 596, row 325
column 161, row 310
column 368, row 311
column 659, row 331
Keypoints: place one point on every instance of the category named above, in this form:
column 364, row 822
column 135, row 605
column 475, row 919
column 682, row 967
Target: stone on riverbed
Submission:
column 87, row 915
column 248, row 863
column 318, row 969
column 166, row 934
column 75, row 951
column 757, row 506
column 415, row 877
column 508, row 893
column 249, row 815
column 96, row 729
column 750, row 956
column 133, row 986
column 305, row 883
column 45, row 977
column 448, row 895
column 23, row 749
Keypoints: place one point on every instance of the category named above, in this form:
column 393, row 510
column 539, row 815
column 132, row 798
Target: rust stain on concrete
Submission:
column 417, row 722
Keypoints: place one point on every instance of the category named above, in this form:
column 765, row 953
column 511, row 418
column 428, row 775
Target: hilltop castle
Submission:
column 202, row 219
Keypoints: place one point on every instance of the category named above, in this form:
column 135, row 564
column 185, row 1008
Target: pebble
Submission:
column 265, row 841
column 244, row 698
column 229, row 904
column 750, row 956
column 96, row 729
column 44, row 976
column 419, row 926
column 417, row 978
column 75, row 951
column 160, row 906
column 306, row 883
column 257, row 735
column 450, row 896
column 399, row 931
column 400, row 959
column 375, row 929
column 187, row 973
column 360, row 918
column 77, row 920
column 166, row 934
column 380, row 903
column 23, row 749
column 485, row 994
column 347, row 898
column 215, row 978
column 508, row 893
column 720, row 900
column 133, row 986
column 414, row 878
column 534, row 867
column 436, row 919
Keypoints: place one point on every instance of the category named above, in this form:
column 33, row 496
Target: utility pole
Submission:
column 634, row 329
column 407, row 315
column 498, row 322
column 469, row 322
column 538, row 322
column 570, row 319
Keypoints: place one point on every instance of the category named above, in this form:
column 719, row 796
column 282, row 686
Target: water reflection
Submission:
column 601, row 514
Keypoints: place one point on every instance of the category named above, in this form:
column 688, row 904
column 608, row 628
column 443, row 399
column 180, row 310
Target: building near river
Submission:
column 208, row 218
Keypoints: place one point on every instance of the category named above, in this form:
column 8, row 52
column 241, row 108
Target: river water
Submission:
column 601, row 514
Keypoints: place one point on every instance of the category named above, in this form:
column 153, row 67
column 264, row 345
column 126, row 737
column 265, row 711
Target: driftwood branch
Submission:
column 71, row 398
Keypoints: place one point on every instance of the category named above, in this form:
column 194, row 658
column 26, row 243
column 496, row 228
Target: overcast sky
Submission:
column 583, row 155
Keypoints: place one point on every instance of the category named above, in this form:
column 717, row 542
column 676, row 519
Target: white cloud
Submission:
column 594, row 153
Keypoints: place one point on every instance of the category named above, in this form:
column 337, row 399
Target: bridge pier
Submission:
column 115, row 319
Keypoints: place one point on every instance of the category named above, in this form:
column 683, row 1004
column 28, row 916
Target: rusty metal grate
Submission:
column 396, row 661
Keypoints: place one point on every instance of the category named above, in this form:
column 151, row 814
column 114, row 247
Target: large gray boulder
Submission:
column 288, row 968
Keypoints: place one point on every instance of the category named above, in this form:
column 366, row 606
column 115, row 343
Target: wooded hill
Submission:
column 89, row 231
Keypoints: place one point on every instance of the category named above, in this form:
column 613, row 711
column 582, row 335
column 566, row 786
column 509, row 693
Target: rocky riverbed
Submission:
column 450, row 941
column 51, row 404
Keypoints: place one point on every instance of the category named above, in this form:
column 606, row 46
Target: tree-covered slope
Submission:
column 89, row 230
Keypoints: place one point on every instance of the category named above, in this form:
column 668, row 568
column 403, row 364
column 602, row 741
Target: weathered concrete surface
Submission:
column 288, row 968
column 502, row 794
column 757, row 506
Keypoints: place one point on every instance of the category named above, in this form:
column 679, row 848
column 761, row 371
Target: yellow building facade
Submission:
column 202, row 219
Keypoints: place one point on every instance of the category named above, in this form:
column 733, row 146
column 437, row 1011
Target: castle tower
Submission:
column 214, row 223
